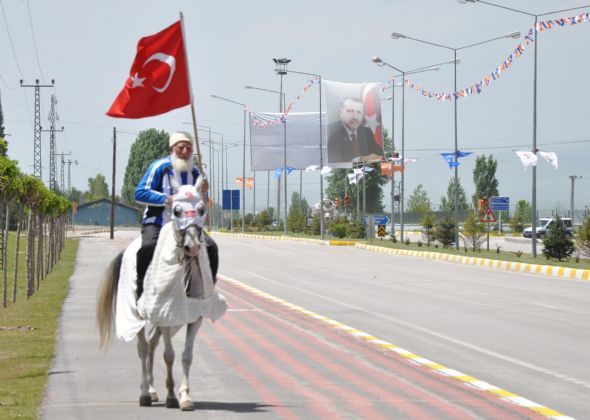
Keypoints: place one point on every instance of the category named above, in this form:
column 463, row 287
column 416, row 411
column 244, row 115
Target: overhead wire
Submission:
column 35, row 42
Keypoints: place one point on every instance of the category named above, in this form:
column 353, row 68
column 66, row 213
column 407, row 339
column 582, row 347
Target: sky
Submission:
column 88, row 48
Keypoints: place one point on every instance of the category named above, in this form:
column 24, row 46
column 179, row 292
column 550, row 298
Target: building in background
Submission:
column 98, row 213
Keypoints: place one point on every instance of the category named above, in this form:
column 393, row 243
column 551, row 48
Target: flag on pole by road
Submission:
column 158, row 79
column 526, row 158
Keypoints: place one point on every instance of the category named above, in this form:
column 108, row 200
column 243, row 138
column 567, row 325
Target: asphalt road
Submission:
column 526, row 334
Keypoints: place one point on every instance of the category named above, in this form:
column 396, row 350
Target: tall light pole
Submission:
column 319, row 77
column 573, row 178
column 395, row 35
column 281, row 70
column 243, row 157
column 380, row 62
column 281, row 104
column 534, row 150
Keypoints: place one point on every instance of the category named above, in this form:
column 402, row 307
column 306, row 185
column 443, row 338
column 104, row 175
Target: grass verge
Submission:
column 27, row 347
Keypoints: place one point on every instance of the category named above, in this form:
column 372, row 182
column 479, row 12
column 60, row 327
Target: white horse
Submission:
column 178, row 290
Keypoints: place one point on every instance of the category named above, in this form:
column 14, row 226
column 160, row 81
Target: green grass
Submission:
column 26, row 354
column 502, row 255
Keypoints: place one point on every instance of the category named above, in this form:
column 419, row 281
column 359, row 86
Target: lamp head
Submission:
column 395, row 35
column 467, row 1
column 376, row 60
column 514, row 35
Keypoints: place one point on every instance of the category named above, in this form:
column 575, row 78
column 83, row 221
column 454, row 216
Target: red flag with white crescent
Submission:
column 158, row 80
column 371, row 98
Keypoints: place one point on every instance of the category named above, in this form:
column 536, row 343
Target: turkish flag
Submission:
column 158, row 80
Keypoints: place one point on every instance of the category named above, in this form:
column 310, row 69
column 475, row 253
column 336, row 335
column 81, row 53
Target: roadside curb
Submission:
column 411, row 357
column 547, row 270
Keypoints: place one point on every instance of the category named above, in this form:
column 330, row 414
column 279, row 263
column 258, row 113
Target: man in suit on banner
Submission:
column 348, row 138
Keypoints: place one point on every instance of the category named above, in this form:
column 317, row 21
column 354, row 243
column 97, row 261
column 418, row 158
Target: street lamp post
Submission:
column 281, row 70
column 434, row 67
column 319, row 77
column 243, row 157
column 534, row 150
column 395, row 35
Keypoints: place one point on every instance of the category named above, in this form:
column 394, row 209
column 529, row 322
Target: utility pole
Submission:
column 53, row 117
column 573, row 178
column 113, row 181
column 37, row 172
column 63, row 164
column 69, row 162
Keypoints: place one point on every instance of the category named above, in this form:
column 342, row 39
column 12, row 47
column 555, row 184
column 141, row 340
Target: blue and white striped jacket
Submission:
column 155, row 186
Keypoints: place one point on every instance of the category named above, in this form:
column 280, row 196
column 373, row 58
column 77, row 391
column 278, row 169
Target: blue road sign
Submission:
column 500, row 203
column 378, row 219
column 234, row 204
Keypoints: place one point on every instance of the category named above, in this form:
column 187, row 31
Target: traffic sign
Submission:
column 488, row 216
column 500, row 203
column 378, row 219
column 234, row 202
column 381, row 231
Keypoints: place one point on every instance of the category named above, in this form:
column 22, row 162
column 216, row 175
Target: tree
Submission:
column 2, row 134
column 296, row 215
column 583, row 237
column 419, row 201
column 427, row 224
column 3, row 147
column 150, row 145
column 521, row 216
column 444, row 230
column 557, row 243
column 447, row 204
column 97, row 188
column 75, row 195
column 484, row 178
column 474, row 232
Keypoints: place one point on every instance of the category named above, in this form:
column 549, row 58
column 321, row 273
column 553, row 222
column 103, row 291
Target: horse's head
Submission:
column 188, row 215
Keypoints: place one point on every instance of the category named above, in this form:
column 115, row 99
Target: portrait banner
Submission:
column 267, row 140
column 353, row 112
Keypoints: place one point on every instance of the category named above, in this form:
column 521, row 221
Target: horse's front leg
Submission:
column 186, row 403
column 171, row 401
column 153, row 339
column 142, row 349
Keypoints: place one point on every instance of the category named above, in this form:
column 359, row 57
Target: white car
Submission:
column 543, row 226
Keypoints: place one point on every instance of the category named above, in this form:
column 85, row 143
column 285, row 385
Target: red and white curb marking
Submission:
column 418, row 360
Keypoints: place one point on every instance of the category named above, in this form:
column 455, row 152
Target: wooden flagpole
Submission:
column 188, row 75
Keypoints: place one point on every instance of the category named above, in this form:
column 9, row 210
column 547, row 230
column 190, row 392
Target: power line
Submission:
column 35, row 42
column 10, row 39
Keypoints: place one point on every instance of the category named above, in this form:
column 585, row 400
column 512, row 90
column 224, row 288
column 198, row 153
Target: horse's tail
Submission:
column 106, row 302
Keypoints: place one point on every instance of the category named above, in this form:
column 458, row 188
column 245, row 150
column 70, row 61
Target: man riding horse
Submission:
column 156, row 191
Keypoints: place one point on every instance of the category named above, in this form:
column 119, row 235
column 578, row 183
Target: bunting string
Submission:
column 518, row 52
column 263, row 121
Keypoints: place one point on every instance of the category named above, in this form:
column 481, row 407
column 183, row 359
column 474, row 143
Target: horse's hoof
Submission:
column 187, row 405
column 171, row 403
column 154, row 396
column 145, row 401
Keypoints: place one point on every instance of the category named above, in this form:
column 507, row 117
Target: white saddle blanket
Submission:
column 164, row 302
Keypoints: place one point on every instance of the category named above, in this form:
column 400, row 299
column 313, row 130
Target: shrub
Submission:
column 444, row 231
column 357, row 230
column 557, row 244
column 340, row 230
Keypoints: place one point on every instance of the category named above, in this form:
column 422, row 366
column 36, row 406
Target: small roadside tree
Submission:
column 447, row 204
column 521, row 216
column 474, row 232
column 558, row 244
column 444, row 230
column 583, row 237
column 427, row 225
column 419, row 201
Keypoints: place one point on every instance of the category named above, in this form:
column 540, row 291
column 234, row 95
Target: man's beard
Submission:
column 181, row 165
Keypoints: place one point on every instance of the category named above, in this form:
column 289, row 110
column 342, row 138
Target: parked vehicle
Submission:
column 544, row 224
